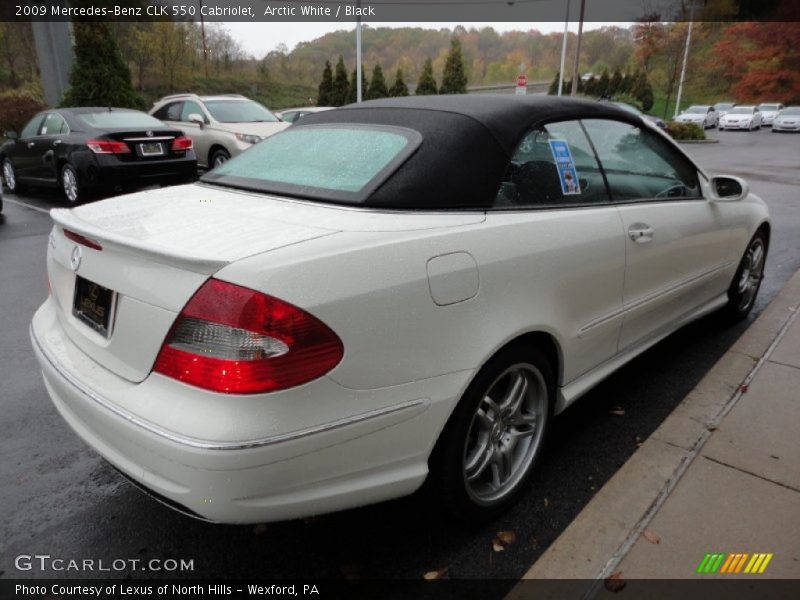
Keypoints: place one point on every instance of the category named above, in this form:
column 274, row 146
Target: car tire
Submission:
column 218, row 157
column 69, row 184
column 494, row 437
column 10, row 181
column 743, row 290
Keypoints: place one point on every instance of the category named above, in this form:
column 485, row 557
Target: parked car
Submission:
column 701, row 114
column 85, row 150
column 769, row 110
column 787, row 120
column 395, row 290
column 741, row 117
column 290, row 115
column 220, row 126
column 630, row 108
column 722, row 108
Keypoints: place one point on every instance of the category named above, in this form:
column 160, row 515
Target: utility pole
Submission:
column 203, row 37
column 577, row 53
column 685, row 60
column 359, row 91
column 563, row 51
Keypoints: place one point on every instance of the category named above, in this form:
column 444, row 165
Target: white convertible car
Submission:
column 392, row 291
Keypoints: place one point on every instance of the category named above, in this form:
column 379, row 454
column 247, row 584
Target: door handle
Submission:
column 56, row 142
column 31, row 144
column 641, row 233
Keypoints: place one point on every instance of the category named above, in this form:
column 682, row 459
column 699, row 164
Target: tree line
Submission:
column 335, row 89
column 631, row 87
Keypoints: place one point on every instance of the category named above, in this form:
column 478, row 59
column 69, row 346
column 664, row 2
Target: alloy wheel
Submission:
column 9, row 176
column 505, row 434
column 70, row 184
column 752, row 273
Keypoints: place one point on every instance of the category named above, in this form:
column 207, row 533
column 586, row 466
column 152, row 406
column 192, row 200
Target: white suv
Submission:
column 220, row 126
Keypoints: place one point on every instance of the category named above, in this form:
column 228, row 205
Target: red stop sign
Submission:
column 522, row 81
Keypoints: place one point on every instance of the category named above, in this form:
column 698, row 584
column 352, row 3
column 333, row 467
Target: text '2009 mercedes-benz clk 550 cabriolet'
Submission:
column 392, row 291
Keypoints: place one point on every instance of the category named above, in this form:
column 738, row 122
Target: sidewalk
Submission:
column 721, row 475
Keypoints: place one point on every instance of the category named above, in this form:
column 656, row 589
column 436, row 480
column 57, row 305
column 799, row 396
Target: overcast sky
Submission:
column 260, row 38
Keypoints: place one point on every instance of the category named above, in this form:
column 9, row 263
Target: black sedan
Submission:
column 86, row 151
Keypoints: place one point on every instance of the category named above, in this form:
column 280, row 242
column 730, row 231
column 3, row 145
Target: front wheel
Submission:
column 69, row 184
column 495, row 436
column 743, row 290
column 10, row 177
column 219, row 157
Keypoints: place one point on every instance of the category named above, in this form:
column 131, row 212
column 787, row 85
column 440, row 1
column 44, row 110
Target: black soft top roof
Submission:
column 467, row 142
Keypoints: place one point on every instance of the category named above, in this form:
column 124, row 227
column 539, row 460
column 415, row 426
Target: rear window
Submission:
column 119, row 120
column 332, row 162
column 239, row 111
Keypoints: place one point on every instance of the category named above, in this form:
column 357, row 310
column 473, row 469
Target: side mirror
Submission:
column 726, row 188
column 195, row 118
column 11, row 135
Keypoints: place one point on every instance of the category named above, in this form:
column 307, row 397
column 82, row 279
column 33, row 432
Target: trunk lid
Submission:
column 158, row 247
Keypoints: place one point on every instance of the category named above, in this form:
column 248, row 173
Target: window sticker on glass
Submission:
column 566, row 167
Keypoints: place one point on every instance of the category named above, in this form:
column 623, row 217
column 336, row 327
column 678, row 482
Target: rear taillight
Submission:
column 108, row 147
column 82, row 240
column 181, row 144
column 235, row 340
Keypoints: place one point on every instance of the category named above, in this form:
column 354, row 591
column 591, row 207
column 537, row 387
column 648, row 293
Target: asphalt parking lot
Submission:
column 59, row 498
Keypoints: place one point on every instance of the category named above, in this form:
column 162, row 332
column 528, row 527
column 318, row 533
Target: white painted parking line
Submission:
column 26, row 205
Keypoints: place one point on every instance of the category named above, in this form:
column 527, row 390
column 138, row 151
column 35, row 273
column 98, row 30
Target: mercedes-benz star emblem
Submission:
column 149, row 134
column 75, row 258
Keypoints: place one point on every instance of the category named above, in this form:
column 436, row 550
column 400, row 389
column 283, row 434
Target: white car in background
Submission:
column 221, row 127
column 701, row 114
column 741, row 117
column 290, row 115
column 769, row 110
column 722, row 108
column 320, row 323
column 787, row 120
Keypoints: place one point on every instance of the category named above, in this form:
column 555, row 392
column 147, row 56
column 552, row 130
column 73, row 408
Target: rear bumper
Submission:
column 377, row 453
column 785, row 127
column 109, row 171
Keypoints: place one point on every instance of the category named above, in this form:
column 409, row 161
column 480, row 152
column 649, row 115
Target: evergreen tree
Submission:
column 352, row 94
column 615, row 84
column 99, row 75
column 341, row 86
column 426, row 85
column 590, row 87
column 377, row 87
column 625, row 85
column 603, row 84
column 325, row 92
column 553, row 89
column 399, row 88
column 454, row 78
column 643, row 91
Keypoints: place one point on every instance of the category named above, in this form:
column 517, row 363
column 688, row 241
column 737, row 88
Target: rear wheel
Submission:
column 743, row 290
column 69, row 184
column 494, row 437
column 10, row 177
column 218, row 157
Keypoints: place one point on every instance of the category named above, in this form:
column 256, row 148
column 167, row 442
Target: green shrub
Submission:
column 685, row 131
column 17, row 107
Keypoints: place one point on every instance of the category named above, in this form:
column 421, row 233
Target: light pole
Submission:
column 203, row 37
column 563, row 51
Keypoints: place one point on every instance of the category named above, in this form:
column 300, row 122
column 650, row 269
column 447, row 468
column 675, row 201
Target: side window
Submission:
column 639, row 165
column 169, row 112
column 54, row 124
column 553, row 166
column 191, row 108
column 31, row 128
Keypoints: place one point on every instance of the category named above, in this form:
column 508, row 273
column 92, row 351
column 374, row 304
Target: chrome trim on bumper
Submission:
column 209, row 445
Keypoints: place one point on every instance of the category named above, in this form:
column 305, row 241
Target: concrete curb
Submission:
column 697, row 141
column 606, row 529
